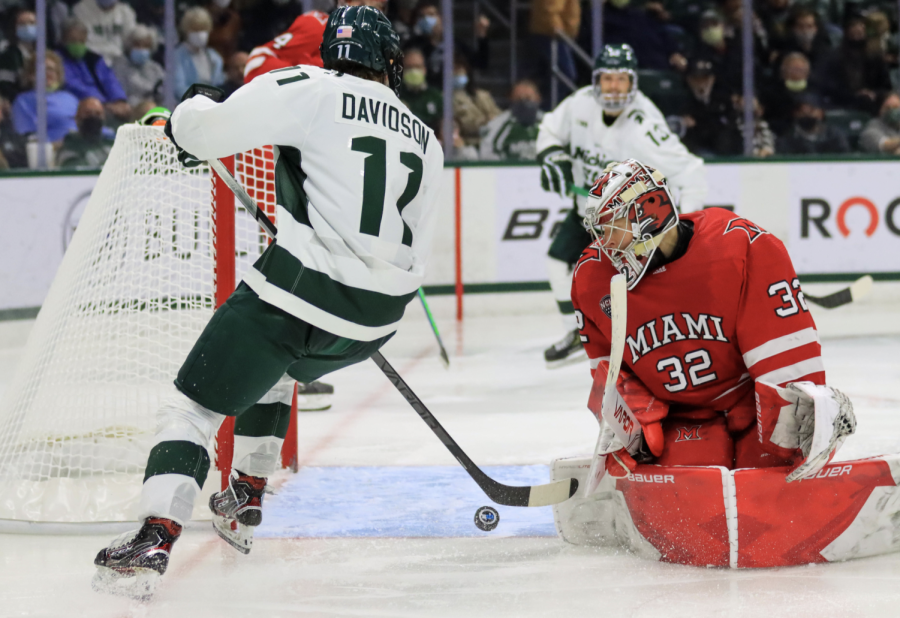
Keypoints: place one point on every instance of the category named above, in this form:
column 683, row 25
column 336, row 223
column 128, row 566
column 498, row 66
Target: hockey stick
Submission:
column 618, row 291
column 434, row 328
column 532, row 495
column 857, row 290
column 535, row 495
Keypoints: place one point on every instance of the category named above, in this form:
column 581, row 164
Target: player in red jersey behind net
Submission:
column 716, row 321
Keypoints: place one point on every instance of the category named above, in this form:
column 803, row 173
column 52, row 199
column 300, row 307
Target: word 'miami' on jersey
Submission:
column 369, row 111
column 666, row 330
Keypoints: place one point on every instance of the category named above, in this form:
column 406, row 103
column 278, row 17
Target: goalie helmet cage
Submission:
column 157, row 248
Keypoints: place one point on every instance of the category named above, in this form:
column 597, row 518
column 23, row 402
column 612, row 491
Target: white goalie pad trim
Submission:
column 781, row 344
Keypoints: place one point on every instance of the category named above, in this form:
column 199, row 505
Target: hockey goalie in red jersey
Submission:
column 722, row 364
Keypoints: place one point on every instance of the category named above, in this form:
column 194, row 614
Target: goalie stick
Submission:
column 619, row 317
column 507, row 495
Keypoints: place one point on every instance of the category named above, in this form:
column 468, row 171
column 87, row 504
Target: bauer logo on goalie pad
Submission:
column 606, row 306
column 651, row 478
column 688, row 433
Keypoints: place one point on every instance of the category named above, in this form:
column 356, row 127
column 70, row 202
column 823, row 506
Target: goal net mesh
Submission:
column 135, row 289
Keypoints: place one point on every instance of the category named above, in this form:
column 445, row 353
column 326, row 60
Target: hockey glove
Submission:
column 814, row 420
column 184, row 157
column 210, row 92
column 556, row 171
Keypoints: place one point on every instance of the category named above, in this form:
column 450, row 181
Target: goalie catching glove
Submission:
column 556, row 171
column 634, row 401
column 211, row 92
column 802, row 416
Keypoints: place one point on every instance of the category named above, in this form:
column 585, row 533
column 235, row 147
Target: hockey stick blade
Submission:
column 507, row 495
column 857, row 290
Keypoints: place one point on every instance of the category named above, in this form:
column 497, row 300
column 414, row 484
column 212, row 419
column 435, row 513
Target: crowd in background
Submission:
column 825, row 70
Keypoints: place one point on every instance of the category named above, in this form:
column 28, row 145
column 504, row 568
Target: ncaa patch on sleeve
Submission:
column 606, row 306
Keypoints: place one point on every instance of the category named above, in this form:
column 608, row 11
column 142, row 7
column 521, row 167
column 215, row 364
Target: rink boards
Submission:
column 711, row 516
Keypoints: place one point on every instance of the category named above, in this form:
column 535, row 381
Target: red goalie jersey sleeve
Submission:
column 299, row 45
column 703, row 328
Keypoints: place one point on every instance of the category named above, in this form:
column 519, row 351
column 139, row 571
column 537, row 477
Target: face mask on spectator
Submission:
column 805, row 37
column 524, row 111
column 808, row 123
column 91, row 126
column 106, row 4
column 620, row 4
column 414, row 78
column 198, row 40
column 460, row 81
column 795, row 85
column 892, row 116
column 713, row 35
column 26, row 32
column 76, row 50
column 427, row 23
column 222, row 4
column 139, row 56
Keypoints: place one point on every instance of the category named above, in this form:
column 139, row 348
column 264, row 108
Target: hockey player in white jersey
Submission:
column 357, row 176
column 609, row 121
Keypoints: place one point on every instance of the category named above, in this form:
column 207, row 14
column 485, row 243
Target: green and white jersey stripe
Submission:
column 357, row 178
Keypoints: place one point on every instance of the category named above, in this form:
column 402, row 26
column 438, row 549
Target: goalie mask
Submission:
column 615, row 59
column 629, row 210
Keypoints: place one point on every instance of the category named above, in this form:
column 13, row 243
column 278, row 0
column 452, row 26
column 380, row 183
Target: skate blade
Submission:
column 139, row 586
column 238, row 536
column 571, row 359
column 314, row 403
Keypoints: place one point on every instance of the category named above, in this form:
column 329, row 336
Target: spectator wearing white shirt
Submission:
column 108, row 23
column 195, row 61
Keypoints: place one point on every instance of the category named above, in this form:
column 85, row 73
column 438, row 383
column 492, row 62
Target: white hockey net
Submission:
column 133, row 293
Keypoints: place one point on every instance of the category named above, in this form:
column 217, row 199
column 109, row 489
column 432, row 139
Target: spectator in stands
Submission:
column 423, row 100
column 108, row 22
column 731, row 138
column 857, row 76
column 724, row 53
column 429, row 37
column 512, row 136
column 12, row 145
column 195, row 62
column 234, row 72
column 226, row 28
column 402, row 14
column 61, row 104
column 652, row 43
column 12, row 59
column 707, row 111
column 882, row 134
column 807, row 37
column 460, row 151
column 547, row 18
column 87, row 74
column 137, row 72
column 774, row 15
column 472, row 107
column 809, row 133
column 90, row 145
column 781, row 97
column 878, row 31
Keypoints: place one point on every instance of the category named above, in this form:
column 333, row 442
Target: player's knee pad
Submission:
column 693, row 442
column 560, row 275
column 181, row 419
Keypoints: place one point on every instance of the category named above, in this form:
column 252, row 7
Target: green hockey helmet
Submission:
column 363, row 35
column 615, row 59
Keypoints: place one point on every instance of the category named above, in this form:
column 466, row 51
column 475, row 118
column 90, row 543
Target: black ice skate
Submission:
column 238, row 509
column 566, row 350
column 133, row 563
column 314, row 397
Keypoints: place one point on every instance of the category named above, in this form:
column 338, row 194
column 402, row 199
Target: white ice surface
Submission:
column 504, row 408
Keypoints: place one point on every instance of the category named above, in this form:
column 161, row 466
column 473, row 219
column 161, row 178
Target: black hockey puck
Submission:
column 487, row 518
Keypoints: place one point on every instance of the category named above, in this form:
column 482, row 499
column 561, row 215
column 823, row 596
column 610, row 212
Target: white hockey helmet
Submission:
column 633, row 199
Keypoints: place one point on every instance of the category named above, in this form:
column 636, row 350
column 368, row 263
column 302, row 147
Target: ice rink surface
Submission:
column 379, row 520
